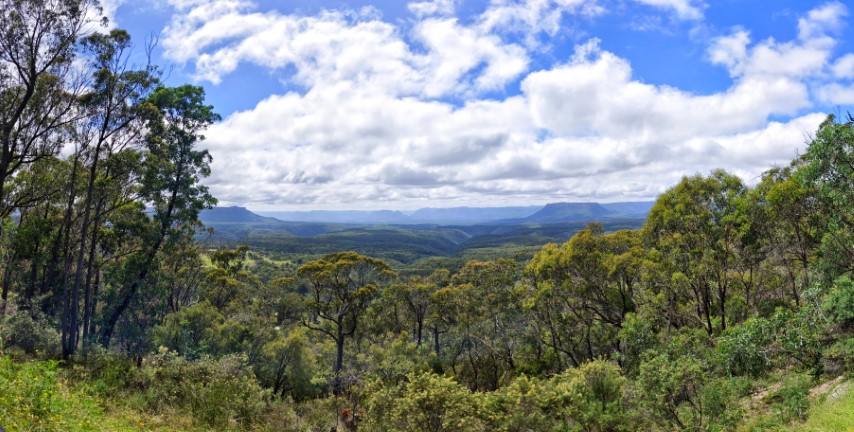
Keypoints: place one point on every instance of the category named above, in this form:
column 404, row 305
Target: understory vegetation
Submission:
column 731, row 308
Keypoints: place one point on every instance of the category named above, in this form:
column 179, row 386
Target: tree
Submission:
column 583, row 290
column 693, row 228
column 341, row 286
column 416, row 295
column 829, row 168
column 37, row 83
column 795, row 220
column 114, row 106
column 488, row 322
column 170, row 183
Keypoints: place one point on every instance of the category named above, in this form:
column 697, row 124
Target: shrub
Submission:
column 742, row 350
column 721, row 399
column 798, row 335
column 218, row 392
column 839, row 302
column 32, row 336
column 590, row 398
column 425, row 402
column 791, row 400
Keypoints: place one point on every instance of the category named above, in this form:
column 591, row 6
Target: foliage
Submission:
column 743, row 350
column 31, row 335
column 33, row 399
column 217, row 392
column 839, row 302
column 424, row 402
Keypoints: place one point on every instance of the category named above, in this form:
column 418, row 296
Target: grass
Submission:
column 831, row 414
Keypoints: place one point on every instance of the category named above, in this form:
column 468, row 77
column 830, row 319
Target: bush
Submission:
column 425, row 402
column 722, row 402
column 590, row 398
column 798, row 335
column 520, row 405
column 839, row 302
column 791, row 401
column 32, row 336
column 218, row 392
column 742, row 350
column 839, row 357
column 668, row 390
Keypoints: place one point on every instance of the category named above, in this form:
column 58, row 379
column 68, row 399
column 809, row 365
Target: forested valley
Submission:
column 731, row 308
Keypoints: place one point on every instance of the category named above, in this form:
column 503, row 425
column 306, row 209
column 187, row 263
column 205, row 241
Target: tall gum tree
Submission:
column 114, row 107
column 170, row 185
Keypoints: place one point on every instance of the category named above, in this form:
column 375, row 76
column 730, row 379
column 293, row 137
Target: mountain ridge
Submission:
column 554, row 212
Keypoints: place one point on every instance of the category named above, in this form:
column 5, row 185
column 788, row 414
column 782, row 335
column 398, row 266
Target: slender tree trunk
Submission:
column 436, row 347
column 165, row 223
column 94, row 305
column 87, row 302
column 81, row 255
column 66, row 301
column 339, row 363
column 7, row 284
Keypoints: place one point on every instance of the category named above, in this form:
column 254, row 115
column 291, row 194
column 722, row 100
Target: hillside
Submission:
column 408, row 243
column 570, row 212
column 554, row 212
column 233, row 215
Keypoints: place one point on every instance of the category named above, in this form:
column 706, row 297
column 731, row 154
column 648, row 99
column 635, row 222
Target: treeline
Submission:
column 99, row 177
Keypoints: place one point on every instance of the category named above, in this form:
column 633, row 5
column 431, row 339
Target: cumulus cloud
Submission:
column 684, row 9
column 844, row 67
column 836, row 94
column 534, row 16
column 432, row 7
column 444, row 111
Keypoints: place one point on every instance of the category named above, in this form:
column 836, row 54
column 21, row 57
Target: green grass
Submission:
column 832, row 414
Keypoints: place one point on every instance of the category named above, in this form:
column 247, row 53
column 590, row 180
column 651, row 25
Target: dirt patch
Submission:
column 834, row 388
column 760, row 395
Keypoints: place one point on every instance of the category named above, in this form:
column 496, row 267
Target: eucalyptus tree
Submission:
column 169, row 185
column 114, row 106
column 693, row 228
column 582, row 291
column 829, row 168
column 38, row 81
column 487, row 322
column 795, row 222
column 340, row 289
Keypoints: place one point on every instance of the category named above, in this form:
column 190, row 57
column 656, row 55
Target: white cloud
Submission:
column 454, row 50
column 340, row 46
column 429, row 113
column 844, row 67
column 534, row 16
column 595, row 94
column 836, row 94
column 804, row 58
column 822, row 21
column 432, row 7
column 684, row 9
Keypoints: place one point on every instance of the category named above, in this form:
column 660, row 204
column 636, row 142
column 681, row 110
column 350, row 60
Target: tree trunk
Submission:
column 87, row 302
column 339, row 364
column 69, row 211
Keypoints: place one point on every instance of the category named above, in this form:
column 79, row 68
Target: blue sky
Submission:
column 334, row 104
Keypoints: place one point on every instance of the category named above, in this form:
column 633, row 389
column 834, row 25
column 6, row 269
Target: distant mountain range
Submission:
column 551, row 213
column 458, row 233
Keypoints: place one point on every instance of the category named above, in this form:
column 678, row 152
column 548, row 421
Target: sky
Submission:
column 388, row 104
